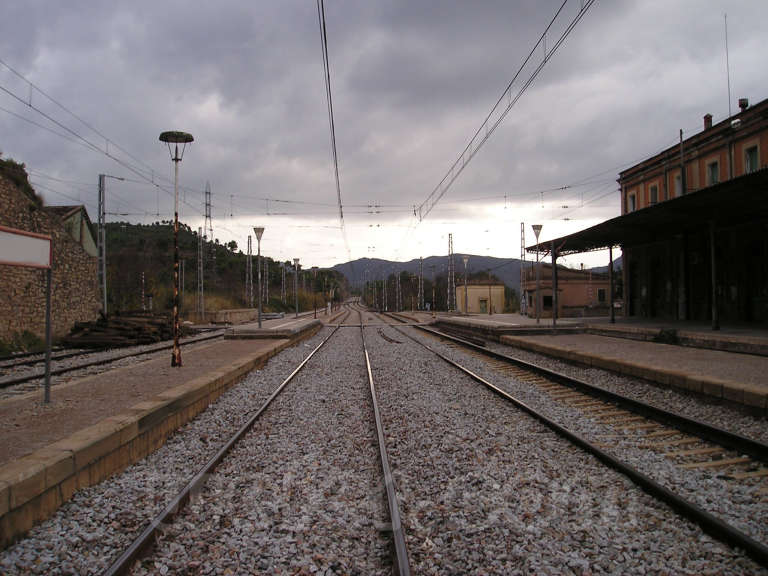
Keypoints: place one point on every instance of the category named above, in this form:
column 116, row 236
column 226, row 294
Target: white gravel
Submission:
column 302, row 493
column 90, row 530
column 707, row 410
column 740, row 503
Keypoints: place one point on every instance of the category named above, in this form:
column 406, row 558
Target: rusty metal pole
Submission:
column 176, row 358
column 176, row 138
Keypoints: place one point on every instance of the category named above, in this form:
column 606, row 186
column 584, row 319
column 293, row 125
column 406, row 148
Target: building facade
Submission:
column 714, row 268
column 478, row 297
column 580, row 293
column 74, row 295
column 734, row 147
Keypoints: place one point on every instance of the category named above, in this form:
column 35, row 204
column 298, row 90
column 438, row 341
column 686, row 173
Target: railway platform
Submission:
column 98, row 425
column 730, row 365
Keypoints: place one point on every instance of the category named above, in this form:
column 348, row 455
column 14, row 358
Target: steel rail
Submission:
column 64, row 370
column 709, row 523
column 123, row 563
column 731, row 440
column 398, row 535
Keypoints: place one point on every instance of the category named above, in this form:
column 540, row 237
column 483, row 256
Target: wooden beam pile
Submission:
column 117, row 331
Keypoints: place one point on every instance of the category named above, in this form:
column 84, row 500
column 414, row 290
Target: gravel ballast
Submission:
column 92, row 528
column 302, row 492
column 740, row 503
column 486, row 489
column 483, row 487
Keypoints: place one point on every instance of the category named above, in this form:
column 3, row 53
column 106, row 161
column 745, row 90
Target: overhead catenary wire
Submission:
column 486, row 128
column 329, row 101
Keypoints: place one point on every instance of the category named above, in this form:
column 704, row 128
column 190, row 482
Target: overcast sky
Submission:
column 412, row 81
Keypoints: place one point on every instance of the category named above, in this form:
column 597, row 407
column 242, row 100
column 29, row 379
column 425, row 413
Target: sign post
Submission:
column 30, row 250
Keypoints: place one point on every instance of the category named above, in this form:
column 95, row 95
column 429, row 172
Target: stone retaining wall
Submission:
column 75, row 293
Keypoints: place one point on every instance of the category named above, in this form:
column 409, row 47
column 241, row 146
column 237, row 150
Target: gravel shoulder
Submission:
column 486, row 489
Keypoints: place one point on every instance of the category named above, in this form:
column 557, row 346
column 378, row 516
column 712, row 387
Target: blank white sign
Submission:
column 20, row 249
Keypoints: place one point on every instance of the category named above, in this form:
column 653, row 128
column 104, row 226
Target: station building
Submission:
column 580, row 293
column 693, row 229
column 478, row 297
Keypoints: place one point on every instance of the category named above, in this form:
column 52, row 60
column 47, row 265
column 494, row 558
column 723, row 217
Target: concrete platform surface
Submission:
column 26, row 424
column 727, row 364
column 98, row 425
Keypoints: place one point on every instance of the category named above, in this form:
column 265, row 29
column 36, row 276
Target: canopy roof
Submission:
column 731, row 203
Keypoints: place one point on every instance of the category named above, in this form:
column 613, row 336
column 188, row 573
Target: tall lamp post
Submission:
column 466, row 298
column 259, row 230
column 296, row 283
column 176, row 138
column 537, row 231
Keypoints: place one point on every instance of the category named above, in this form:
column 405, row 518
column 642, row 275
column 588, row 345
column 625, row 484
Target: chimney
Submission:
column 707, row 121
column 743, row 103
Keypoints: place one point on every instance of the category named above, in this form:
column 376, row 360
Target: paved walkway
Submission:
column 26, row 424
column 702, row 365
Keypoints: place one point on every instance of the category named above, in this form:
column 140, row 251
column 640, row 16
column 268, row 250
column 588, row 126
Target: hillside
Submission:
column 506, row 270
column 133, row 249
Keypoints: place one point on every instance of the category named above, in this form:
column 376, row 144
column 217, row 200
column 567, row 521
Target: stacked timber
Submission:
column 117, row 331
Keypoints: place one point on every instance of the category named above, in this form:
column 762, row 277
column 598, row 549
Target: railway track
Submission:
column 481, row 487
column 674, row 435
column 159, row 524
column 90, row 359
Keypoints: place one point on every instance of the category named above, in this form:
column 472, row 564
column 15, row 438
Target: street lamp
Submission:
column 537, row 231
column 466, row 298
column 176, row 138
column 296, row 283
column 259, row 231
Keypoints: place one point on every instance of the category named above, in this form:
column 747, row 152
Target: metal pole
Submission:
column 490, row 302
column 466, row 293
column 102, row 239
column 554, row 285
column 296, row 284
column 538, row 285
column 258, row 263
column 434, row 305
column 610, row 283
column 48, row 279
column 713, row 261
column 176, row 358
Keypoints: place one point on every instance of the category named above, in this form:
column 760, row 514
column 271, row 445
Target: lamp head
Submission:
column 176, row 137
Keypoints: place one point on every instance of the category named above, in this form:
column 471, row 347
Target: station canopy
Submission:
column 732, row 203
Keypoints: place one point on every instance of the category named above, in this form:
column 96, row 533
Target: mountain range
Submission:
column 505, row 269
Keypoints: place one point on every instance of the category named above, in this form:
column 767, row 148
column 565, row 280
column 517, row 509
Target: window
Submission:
column 678, row 186
column 713, row 173
column 750, row 160
column 654, row 193
column 601, row 294
column 546, row 302
column 631, row 203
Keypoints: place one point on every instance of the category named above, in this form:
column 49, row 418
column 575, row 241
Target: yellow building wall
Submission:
column 477, row 298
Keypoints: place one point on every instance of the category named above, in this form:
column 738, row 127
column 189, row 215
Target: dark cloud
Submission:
column 411, row 83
